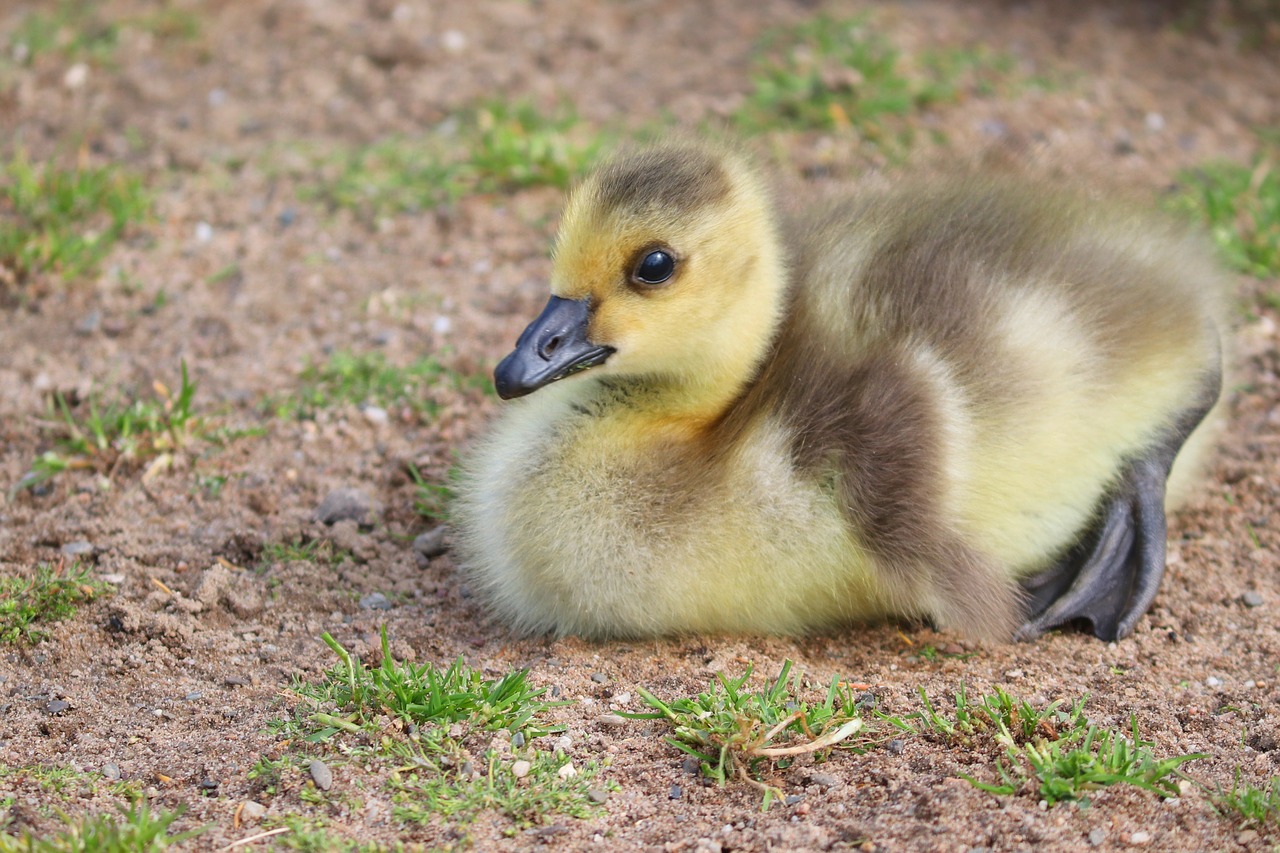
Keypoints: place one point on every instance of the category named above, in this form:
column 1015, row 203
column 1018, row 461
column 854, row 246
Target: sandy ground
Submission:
column 173, row 678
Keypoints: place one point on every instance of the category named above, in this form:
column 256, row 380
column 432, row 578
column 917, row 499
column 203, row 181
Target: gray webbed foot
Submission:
column 1111, row 576
column 1112, row 580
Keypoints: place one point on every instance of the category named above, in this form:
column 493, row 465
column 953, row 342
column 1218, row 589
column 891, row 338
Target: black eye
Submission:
column 655, row 267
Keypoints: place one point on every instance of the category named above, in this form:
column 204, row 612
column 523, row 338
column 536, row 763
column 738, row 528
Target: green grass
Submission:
column 109, row 437
column 71, row 28
column 52, row 595
column 1257, row 807
column 431, row 730
column 75, row 31
column 840, row 74
column 353, row 698
column 314, row 551
column 497, row 146
column 1057, row 747
column 135, row 830
column 359, row 379
column 515, row 145
column 63, row 221
column 432, row 500
column 1241, row 206
column 392, row 176
column 431, row 789
column 736, row 733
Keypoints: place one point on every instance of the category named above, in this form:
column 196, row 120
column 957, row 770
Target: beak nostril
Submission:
column 549, row 348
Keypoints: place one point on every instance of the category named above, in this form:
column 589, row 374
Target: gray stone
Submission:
column 321, row 775
column 896, row 746
column 78, row 548
column 597, row 795
column 824, row 780
column 375, row 601
column 1252, row 599
column 430, row 544
column 343, row 505
column 57, row 706
column 1096, row 837
column 110, row 772
column 675, row 793
column 252, row 811
column 599, row 677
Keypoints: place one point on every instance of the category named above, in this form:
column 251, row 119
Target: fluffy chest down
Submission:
column 567, row 529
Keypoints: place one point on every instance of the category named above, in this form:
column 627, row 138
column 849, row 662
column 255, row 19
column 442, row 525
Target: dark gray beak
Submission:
column 554, row 346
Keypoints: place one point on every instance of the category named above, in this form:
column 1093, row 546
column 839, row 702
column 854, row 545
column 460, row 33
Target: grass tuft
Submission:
column 550, row 784
column 1057, row 747
column 313, row 551
column 108, row 438
column 52, row 595
column 840, row 74
column 517, row 146
column 137, row 830
column 1258, row 807
column 62, row 221
column 419, row 695
column 362, row 379
column 1241, row 206
column 733, row 732
column 497, row 146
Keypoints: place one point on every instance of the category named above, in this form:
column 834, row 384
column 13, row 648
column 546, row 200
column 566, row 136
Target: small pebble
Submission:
column 110, row 772
column 896, row 746
column 376, row 415
column 521, row 768
column 204, row 232
column 517, row 740
column 675, row 793
column 375, row 601
column 1252, row 599
column 691, row 765
column 568, row 771
column 115, row 578
column 77, row 548
column 825, row 780
column 597, row 795
column 1097, row 836
column 612, row 721
column 1247, row 837
column 1140, row 837
column 599, row 677
column 792, row 799
column 343, row 504
column 194, row 695
column 77, row 75
column 207, row 784
column 287, row 217
column 321, row 775
column 430, row 544
column 252, row 810
column 236, row 681
column 1213, row 681
column 57, row 706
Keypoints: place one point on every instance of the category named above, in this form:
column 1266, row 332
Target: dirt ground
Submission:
column 174, row 677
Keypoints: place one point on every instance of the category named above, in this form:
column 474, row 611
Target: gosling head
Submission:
column 667, row 268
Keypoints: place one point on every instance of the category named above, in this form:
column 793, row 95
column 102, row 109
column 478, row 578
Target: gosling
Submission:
column 960, row 403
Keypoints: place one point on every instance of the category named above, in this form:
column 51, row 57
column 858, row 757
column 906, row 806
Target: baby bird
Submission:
column 959, row 403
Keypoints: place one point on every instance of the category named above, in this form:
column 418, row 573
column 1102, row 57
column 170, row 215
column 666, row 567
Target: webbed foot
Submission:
column 1111, row 576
